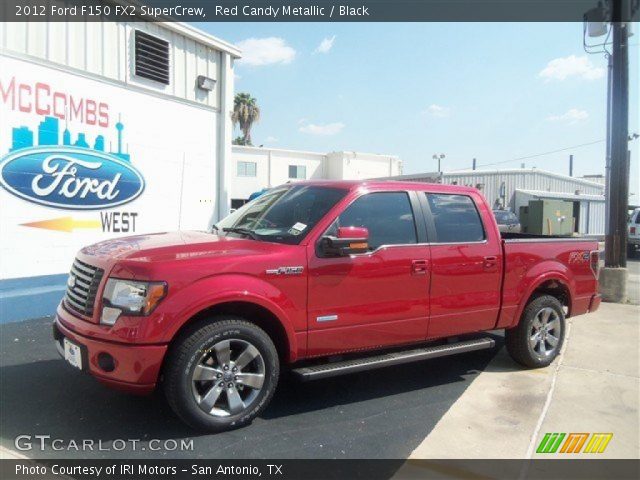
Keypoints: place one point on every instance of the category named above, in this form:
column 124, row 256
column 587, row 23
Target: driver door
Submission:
column 375, row 299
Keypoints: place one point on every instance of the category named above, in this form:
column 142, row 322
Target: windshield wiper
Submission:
column 242, row 231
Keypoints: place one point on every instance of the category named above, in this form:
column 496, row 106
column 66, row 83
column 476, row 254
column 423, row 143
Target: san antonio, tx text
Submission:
column 120, row 469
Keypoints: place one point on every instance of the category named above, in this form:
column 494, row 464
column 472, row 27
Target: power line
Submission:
column 542, row 154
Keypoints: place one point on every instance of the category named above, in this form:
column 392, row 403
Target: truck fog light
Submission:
column 106, row 362
column 109, row 315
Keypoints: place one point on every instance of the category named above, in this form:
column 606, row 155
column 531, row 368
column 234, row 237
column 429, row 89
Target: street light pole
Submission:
column 435, row 156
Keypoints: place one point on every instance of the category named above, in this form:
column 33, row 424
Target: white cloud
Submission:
column 265, row 51
column 437, row 111
column 325, row 45
column 271, row 139
column 571, row 66
column 571, row 116
column 325, row 130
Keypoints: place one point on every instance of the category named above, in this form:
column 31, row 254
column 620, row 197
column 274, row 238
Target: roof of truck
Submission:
column 405, row 185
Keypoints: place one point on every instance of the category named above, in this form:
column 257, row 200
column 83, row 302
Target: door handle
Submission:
column 419, row 267
column 490, row 261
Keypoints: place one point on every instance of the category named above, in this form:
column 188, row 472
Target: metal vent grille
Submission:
column 82, row 286
column 152, row 57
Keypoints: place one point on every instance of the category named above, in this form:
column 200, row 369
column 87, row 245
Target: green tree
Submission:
column 239, row 140
column 245, row 113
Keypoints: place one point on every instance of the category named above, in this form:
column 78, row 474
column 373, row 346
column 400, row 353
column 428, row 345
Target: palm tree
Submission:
column 245, row 113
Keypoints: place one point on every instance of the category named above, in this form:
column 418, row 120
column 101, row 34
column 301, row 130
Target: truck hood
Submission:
column 168, row 246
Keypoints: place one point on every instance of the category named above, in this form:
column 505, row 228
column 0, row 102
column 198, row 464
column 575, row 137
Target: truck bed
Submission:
column 528, row 258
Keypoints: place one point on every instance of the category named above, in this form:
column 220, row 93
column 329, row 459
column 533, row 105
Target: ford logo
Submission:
column 70, row 178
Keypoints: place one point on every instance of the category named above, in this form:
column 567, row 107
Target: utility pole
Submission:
column 474, row 164
column 571, row 165
column 616, row 235
column 614, row 276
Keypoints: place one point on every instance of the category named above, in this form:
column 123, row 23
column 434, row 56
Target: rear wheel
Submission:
column 538, row 338
column 220, row 375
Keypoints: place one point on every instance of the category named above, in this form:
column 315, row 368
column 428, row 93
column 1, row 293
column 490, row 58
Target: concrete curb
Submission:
column 6, row 454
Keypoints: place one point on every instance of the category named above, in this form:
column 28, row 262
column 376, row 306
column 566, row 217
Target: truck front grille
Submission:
column 82, row 287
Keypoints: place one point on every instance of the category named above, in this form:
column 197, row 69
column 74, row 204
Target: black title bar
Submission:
column 199, row 469
column 306, row 10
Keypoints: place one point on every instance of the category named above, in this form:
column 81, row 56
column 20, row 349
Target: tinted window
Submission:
column 387, row 215
column 456, row 218
column 283, row 215
column 505, row 217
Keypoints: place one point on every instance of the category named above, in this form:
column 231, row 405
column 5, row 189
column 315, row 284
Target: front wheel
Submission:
column 538, row 338
column 221, row 374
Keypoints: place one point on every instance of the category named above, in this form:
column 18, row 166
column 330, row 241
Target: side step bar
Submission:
column 325, row 370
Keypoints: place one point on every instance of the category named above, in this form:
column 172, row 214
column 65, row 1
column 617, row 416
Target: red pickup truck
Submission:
column 324, row 278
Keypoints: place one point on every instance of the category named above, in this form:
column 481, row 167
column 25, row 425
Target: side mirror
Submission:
column 349, row 241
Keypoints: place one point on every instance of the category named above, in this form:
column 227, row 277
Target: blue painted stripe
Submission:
column 30, row 297
column 30, row 282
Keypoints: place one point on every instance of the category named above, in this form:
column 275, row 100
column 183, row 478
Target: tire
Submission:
column 206, row 395
column 541, row 325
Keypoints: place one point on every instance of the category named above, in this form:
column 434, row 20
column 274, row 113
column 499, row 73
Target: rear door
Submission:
column 375, row 299
column 466, row 264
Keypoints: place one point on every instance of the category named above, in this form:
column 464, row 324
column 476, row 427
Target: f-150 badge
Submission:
column 579, row 257
column 285, row 271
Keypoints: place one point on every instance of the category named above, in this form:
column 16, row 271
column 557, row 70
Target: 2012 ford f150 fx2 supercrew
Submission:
column 325, row 278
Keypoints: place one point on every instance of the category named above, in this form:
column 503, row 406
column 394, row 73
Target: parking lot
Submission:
column 378, row 414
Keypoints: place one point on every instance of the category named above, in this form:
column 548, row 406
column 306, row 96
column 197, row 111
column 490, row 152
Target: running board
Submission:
column 325, row 370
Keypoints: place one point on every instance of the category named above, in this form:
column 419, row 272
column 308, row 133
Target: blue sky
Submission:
column 495, row 92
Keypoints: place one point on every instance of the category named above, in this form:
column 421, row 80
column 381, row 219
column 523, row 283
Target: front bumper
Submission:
column 133, row 368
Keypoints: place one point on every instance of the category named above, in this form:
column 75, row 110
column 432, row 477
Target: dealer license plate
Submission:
column 72, row 354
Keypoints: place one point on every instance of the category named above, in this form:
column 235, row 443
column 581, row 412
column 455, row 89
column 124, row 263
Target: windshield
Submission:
column 505, row 217
column 283, row 215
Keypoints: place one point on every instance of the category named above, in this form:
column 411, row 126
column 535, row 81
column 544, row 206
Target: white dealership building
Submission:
column 120, row 128
column 259, row 168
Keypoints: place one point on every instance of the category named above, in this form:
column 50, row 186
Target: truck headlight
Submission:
column 130, row 297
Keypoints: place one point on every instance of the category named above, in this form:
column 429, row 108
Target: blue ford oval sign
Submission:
column 70, row 178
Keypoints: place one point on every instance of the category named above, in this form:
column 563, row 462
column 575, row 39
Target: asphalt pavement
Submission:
column 382, row 413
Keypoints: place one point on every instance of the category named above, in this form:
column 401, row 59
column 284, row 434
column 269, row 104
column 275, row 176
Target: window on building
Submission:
column 456, row 219
column 151, row 57
column 236, row 203
column 298, row 171
column 387, row 215
column 247, row 169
